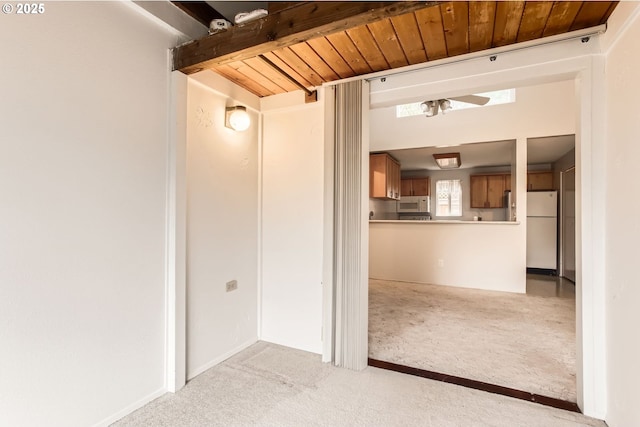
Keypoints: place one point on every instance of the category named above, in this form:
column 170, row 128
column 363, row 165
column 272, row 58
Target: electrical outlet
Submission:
column 440, row 263
column 232, row 285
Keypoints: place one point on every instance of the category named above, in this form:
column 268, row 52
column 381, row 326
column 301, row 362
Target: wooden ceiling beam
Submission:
column 284, row 74
column 285, row 28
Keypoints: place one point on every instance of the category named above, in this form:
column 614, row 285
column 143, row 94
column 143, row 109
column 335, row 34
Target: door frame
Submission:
column 564, row 60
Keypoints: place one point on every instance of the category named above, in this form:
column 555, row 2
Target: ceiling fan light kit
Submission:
column 430, row 108
column 445, row 105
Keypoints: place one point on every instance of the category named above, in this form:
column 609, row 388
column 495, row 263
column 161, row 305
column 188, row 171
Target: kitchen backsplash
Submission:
column 382, row 209
column 485, row 214
column 386, row 210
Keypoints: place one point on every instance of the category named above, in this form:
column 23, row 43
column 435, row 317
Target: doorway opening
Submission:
column 436, row 328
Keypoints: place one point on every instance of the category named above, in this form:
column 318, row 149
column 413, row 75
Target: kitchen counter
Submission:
column 487, row 255
column 438, row 221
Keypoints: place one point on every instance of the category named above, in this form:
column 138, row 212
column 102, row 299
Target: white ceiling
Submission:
column 549, row 149
column 487, row 154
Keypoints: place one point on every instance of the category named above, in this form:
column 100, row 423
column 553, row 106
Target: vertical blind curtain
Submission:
column 350, row 278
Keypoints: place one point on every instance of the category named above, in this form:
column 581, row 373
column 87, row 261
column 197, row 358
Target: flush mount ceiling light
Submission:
column 237, row 118
column 448, row 160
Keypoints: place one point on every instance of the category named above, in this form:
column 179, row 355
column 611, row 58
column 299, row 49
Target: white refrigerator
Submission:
column 542, row 229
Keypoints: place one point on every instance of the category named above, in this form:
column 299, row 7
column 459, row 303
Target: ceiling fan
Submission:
column 430, row 108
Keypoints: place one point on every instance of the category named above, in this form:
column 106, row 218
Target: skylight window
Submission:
column 504, row 96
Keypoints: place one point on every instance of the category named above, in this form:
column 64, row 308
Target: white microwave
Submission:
column 413, row 204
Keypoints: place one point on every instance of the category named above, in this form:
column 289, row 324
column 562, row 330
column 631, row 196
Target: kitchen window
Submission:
column 448, row 197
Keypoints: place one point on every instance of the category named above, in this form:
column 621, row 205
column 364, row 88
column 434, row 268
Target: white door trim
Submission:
column 176, row 232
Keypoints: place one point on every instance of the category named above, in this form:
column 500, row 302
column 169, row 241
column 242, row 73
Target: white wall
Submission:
column 292, row 221
column 472, row 255
column 622, row 232
column 222, row 228
column 530, row 116
column 83, row 156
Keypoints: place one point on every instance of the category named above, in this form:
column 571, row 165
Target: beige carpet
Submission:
column 270, row 385
column 518, row 341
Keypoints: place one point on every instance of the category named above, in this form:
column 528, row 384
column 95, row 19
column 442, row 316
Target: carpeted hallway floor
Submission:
column 526, row 342
column 270, row 385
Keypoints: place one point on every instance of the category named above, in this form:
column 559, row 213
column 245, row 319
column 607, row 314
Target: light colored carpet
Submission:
column 270, row 385
column 519, row 341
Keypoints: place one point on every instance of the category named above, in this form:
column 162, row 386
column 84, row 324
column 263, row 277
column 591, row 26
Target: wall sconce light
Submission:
column 237, row 118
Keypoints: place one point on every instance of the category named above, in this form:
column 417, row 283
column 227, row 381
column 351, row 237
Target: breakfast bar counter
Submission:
column 487, row 255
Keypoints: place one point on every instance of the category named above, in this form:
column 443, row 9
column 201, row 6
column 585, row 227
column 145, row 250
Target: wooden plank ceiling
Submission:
column 435, row 30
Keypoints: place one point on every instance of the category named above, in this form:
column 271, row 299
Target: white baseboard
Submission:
column 129, row 409
column 140, row 403
column 311, row 348
column 191, row 375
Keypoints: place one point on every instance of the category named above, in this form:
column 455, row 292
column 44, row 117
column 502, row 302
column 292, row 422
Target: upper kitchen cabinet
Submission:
column 384, row 177
column 540, row 180
column 487, row 191
column 415, row 187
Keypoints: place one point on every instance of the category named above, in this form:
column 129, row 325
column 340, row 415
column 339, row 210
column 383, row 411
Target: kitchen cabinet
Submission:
column 415, row 187
column 540, row 180
column 384, row 177
column 487, row 191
